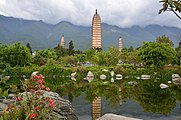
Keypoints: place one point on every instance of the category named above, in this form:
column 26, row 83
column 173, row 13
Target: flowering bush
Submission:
column 32, row 105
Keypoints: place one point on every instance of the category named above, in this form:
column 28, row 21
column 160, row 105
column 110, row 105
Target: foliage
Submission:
column 156, row 54
column 42, row 56
column 129, row 56
column 61, row 52
column 71, row 48
column 164, row 39
column 171, row 5
column 98, row 88
column 154, row 99
column 4, row 65
column 29, row 47
column 69, row 61
column 33, row 105
column 4, row 93
column 11, row 77
column 89, row 54
column 81, row 57
column 15, row 54
column 109, row 57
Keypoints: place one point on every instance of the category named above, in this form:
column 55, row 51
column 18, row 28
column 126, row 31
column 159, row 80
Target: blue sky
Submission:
column 123, row 13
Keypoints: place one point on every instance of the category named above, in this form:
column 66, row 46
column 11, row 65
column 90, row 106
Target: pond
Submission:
column 131, row 97
column 129, row 109
column 128, row 95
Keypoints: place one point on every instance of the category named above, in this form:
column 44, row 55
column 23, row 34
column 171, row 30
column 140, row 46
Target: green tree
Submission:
column 61, row 52
column 164, row 39
column 130, row 49
column 156, row 54
column 99, row 58
column 42, row 56
column 89, row 54
column 69, row 60
column 81, row 57
column 112, row 56
column 15, row 54
column 29, row 47
column 71, row 48
column 154, row 99
column 129, row 55
column 171, row 5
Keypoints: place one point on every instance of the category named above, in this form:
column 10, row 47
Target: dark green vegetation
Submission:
column 171, row 5
column 41, row 35
column 17, row 63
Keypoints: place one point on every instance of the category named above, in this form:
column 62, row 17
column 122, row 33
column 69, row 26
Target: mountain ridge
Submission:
column 42, row 35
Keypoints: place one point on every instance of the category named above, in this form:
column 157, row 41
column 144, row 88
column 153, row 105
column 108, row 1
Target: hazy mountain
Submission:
column 42, row 35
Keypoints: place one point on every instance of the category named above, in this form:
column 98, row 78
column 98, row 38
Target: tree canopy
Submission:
column 164, row 39
column 15, row 54
column 71, row 48
column 171, row 5
column 156, row 54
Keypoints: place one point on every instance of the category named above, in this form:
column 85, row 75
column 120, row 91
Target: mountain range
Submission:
column 42, row 35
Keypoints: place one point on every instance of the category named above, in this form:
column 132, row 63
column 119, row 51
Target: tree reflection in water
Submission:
column 147, row 92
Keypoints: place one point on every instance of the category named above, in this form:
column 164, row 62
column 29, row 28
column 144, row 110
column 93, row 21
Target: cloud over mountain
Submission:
column 123, row 13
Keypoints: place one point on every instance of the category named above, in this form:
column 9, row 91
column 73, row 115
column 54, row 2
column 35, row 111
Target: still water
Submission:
column 130, row 109
column 142, row 99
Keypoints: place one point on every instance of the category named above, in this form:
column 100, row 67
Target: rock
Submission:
column 175, row 76
column 90, row 76
column 163, row 86
column 145, row 77
column 119, row 77
column 112, row 79
column 110, row 116
column 112, row 73
column 176, row 79
column 11, row 96
column 138, row 78
column 63, row 111
column 103, row 77
column 105, row 70
column 132, row 83
column 169, row 82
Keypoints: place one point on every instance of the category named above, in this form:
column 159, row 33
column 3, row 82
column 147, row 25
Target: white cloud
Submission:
column 123, row 13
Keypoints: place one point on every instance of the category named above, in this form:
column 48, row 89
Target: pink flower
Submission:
column 32, row 79
column 42, row 86
column 32, row 115
column 51, row 103
column 41, row 76
column 41, row 102
column 7, row 108
column 39, row 91
column 32, row 90
column 36, row 97
column 47, row 89
column 18, row 98
column 36, row 108
column 40, row 81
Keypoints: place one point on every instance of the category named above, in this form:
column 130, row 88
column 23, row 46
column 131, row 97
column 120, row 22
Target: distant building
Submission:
column 96, row 31
column 62, row 42
column 120, row 44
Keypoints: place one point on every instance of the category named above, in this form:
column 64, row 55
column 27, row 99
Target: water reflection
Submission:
column 119, row 93
column 96, row 108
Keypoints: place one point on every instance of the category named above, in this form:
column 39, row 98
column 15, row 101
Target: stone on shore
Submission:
column 110, row 116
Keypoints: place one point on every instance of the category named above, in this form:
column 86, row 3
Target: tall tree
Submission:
column 29, row 47
column 164, row 39
column 71, row 48
column 156, row 54
column 42, row 56
column 15, row 54
column 171, row 5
